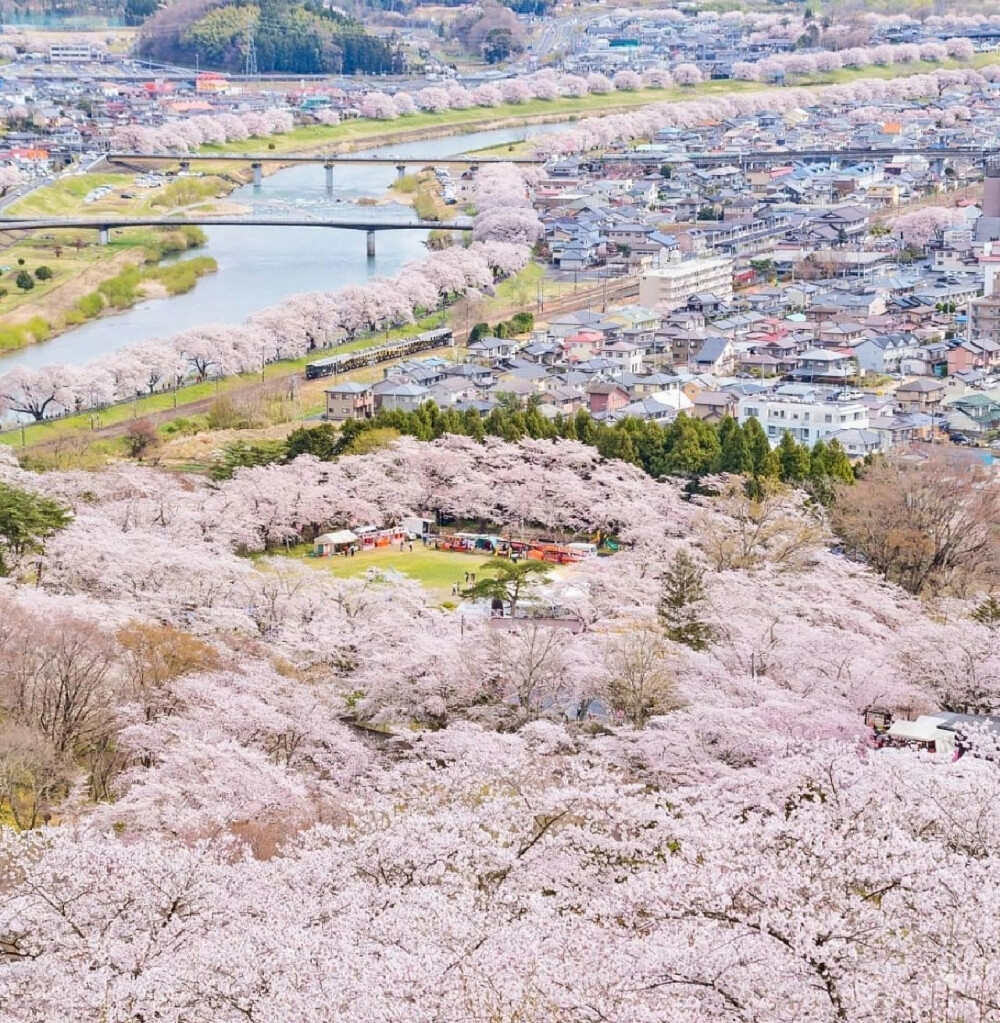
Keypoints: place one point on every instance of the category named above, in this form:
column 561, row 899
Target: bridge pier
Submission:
column 185, row 165
column 103, row 235
column 258, row 173
column 370, row 238
column 328, row 167
column 400, row 171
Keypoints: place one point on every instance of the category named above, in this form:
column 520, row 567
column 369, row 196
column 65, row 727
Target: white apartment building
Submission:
column 670, row 286
column 77, row 52
column 808, row 413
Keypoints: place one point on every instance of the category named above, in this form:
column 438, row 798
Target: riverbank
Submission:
column 348, row 136
column 89, row 439
column 53, row 282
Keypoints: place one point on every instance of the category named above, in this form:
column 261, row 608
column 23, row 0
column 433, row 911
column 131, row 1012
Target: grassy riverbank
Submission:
column 352, row 134
column 74, row 280
column 75, row 441
column 423, row 193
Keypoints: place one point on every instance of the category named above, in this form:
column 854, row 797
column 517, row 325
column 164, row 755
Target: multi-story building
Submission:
column 670, row 286
column 808, row 413
column 350, row 400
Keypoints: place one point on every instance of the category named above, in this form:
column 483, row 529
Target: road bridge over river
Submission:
column 327, row 161
column 105, row 225
column 767, row 158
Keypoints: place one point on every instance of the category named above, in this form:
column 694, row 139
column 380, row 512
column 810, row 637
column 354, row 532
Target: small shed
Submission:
column 333, row 543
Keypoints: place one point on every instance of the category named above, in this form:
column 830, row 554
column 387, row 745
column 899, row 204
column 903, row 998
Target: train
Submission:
column 400, row 349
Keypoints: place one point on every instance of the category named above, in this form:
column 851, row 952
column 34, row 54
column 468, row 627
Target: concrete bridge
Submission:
column 328, row 162
column 850, row 155
column 105, row 225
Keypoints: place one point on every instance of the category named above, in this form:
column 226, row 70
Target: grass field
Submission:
column 436, row 571
column 896, row 70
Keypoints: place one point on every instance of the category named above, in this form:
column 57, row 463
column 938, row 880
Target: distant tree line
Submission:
column 686, row 447
column 301, row 38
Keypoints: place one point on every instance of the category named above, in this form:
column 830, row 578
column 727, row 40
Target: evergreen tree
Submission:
column 838, row 464
column 683, row 603
column 586, row 428
column 988, row 612
column 794, row 463
column 27, row 520
column 693, row 447
column 763, row 461
column 734, row 456
column 616, row 443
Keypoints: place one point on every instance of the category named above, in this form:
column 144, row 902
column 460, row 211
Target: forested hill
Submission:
column 298, row 37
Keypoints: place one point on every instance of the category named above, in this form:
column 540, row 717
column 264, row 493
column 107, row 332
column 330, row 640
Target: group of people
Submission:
column 470, row 580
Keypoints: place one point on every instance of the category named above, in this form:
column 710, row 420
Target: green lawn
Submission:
column 65, row 195
column 919, row 67
column 436, row 571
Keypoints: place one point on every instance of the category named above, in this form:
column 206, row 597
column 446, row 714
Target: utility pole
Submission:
column 250, row 64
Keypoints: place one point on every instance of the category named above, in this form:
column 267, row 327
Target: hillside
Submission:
column 260, row 758
column 295, row 37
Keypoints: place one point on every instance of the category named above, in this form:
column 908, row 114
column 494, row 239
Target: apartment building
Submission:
column 808, row 413
column 670, row 286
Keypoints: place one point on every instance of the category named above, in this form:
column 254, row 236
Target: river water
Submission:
column 260, row 266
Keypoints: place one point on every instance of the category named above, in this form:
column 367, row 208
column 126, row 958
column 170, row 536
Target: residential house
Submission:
column 491, row 351
column 650, row 409
column 858, row 443
column 927, row 360
column 392, row 395
column 450, row 391
column 606, row 399
column 981, row 409
column 924, row 394
column 626, row 355
column 582, row 345
column 350, row 400
column 980, row 353
column 825, row 366
column 883, row 353
column 564, row 400
column 714, row 406
column 717, row 356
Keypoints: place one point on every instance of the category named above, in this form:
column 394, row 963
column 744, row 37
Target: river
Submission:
column 260, row 266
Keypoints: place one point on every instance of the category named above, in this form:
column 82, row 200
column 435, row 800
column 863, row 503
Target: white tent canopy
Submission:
column 924, row 729
column 341, row 536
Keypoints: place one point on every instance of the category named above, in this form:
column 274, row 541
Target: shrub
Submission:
column 141, row 438
column 44, row 273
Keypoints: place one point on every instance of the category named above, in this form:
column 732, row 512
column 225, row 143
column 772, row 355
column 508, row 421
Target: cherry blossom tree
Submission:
column 627, row 81
column 687, row 74
column 960, row 48
column 378, row 106
column 599, row 84
column 38, row 393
